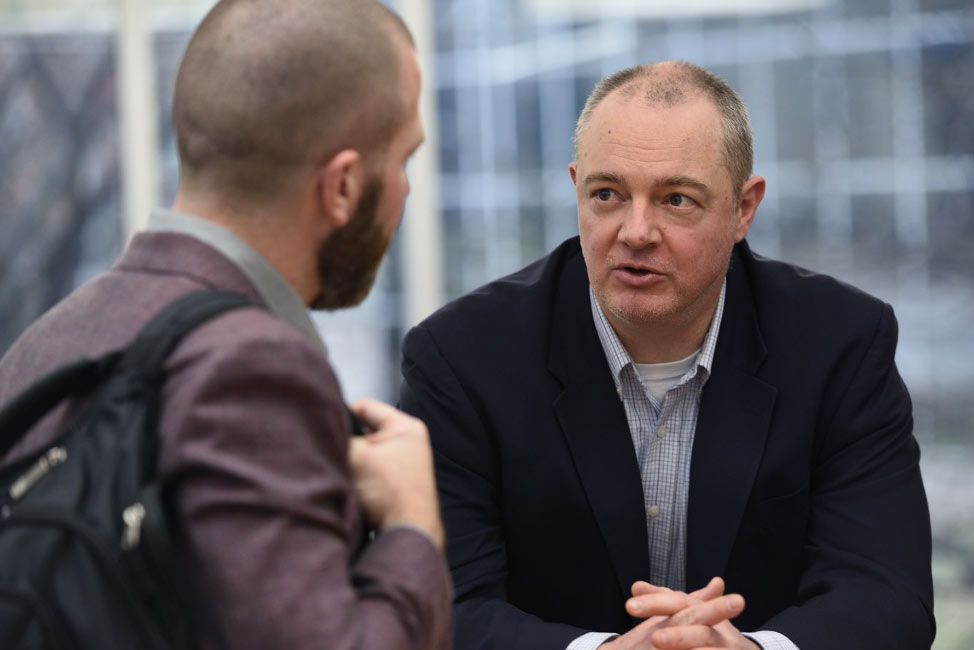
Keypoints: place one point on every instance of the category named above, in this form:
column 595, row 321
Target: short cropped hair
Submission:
column 266, row 86
column 670, row 83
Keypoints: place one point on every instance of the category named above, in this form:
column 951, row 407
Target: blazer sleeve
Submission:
column 468, row 480
column 255, row 445
column 866, row 581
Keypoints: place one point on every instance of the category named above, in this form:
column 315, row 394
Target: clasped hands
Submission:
column 679, row 621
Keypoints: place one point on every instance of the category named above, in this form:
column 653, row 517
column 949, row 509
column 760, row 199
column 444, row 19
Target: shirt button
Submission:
column 653, row 512
column 661, row 432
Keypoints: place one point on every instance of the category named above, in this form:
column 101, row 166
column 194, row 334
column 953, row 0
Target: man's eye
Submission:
column 679, row 200
column 603, row 195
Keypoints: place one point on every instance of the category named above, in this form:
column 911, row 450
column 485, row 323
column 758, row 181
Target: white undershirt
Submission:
column 660, row 377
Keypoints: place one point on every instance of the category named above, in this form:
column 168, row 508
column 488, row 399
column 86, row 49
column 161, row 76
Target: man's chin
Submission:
column 642, row 311
column 331, row 300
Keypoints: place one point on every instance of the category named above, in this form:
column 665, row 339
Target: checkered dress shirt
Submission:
column 662, row 435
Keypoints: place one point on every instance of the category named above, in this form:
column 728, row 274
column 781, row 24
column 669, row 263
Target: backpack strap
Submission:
column 142, row 361
column 144, row 358
column 33, row 403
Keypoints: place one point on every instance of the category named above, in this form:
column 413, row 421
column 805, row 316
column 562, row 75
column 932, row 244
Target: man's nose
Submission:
column 641, row 226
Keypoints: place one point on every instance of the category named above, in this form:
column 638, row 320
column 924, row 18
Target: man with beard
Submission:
column 294, row 122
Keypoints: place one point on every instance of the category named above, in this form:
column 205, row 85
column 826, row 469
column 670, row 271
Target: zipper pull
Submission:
column 54, row 457
column 133, row 517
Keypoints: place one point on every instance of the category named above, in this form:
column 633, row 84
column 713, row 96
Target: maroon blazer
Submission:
column 254, row 437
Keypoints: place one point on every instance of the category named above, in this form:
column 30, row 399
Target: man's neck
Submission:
column 266, row 233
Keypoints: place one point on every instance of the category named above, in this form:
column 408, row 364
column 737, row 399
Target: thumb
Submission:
column 358, row 449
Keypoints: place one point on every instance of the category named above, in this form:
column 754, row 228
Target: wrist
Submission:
column 423, row 519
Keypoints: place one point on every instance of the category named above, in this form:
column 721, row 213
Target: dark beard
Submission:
column 349, row 259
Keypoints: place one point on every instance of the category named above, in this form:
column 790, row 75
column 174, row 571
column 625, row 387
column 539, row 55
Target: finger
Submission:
column 691, row 637
column 662, row 603
column 713, row 589
column 383, row 433
column 641, row 587
column 373, row 413
column 710, row 612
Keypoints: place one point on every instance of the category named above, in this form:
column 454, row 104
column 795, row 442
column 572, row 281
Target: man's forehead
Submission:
column 627, row 121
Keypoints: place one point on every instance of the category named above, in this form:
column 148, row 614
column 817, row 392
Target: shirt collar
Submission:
column 619, row 358
column 280, row 296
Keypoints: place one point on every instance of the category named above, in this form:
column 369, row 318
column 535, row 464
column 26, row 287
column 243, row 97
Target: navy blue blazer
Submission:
column 805, row 489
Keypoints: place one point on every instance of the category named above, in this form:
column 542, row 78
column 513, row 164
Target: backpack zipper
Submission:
column 133, row 516
column 51, row 459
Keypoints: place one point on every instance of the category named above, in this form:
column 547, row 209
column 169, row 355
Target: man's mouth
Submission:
column 637, row 276
column 636, row 270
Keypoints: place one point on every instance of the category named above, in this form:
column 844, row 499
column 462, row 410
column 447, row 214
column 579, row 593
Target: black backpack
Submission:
column 89, row 558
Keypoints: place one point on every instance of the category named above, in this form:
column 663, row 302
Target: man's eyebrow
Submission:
column 685, row 181
column 671, row 181
column 602, row 177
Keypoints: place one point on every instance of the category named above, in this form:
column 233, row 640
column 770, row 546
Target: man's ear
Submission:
column 751, row 194
column 573, row 172
column 340, row 183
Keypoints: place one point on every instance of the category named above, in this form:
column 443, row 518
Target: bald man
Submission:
column 652, row 409
column 294, row 121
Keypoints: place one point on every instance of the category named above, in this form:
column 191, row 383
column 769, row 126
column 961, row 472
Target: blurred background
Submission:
column 863, row 116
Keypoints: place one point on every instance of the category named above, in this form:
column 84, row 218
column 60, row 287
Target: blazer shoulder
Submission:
column 809, row 317
column 787, row 289
column 241, row 332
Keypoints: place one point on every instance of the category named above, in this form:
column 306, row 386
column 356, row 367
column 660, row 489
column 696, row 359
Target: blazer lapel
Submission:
column 594, row 423
column 735, row 413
